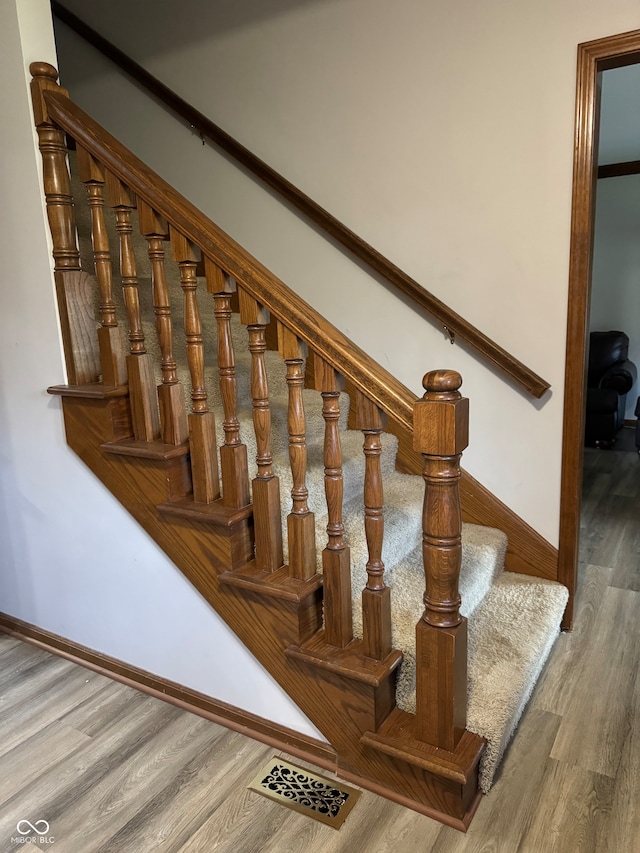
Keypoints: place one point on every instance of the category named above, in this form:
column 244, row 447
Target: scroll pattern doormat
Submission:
column 306, row 792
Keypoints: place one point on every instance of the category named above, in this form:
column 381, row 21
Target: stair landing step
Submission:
column 278, row 584
column 157, row 450
column 350, row 661
column 213, row 513
column 396, row 737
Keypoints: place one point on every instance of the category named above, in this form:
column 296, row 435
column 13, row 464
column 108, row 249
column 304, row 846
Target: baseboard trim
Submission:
column 273, row 734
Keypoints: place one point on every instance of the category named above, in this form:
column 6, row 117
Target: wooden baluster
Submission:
column 173, row 416
column 336, row 562
column 376, row 597
column 202, row 423
column 73, row 287
column 142, row 392
column 441, row 429
column 123, row 203
column 265, row 486
column 233, row 453
column 300, row 521
column 112, row 348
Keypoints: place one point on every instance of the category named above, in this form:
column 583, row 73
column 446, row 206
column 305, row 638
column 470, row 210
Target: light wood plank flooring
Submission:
column 112, row 769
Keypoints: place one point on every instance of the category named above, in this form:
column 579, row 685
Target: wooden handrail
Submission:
column 326, row 340
column 454, row 324
column 618, row 170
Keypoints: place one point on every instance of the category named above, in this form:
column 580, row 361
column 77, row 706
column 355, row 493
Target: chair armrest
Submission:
column 619, row 377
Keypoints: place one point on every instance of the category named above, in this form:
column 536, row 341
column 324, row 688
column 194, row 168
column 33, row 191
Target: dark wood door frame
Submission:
column 593, row 57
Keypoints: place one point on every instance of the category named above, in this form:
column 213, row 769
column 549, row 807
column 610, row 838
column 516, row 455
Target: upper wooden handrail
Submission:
column 619, row 170
column 454, row 324
column 367, row 375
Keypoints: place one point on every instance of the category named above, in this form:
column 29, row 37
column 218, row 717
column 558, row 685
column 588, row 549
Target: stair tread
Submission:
column 213, row 513
column 90, row 390
column 277, row 584
column 510, row 639
column 396, row 737
column 349, row 661
column 145, row 449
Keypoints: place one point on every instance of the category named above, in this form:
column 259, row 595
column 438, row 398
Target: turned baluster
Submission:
column 376, row 596
column 73, row 287
column 336, row 562
column 265, row 486
column 112, row 347
column 142, row 392
column 233, row 453
column 123, row 203
column 441, row 428
column 173, row 416
column 202, row 424
column 300, row 521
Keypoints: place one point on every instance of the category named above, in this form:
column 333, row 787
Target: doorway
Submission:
column 593, row 57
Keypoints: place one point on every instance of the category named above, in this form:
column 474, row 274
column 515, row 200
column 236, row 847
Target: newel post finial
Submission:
column 43, row 69
column 44, row 78
column 445, row 382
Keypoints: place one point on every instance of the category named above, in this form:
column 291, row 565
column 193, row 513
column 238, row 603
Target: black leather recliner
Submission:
column 610, row 378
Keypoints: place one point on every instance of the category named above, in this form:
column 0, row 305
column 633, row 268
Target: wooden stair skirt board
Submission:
column 277, row 617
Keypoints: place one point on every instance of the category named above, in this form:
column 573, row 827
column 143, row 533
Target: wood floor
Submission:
column 112, row 769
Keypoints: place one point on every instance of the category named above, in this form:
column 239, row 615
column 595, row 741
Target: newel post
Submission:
column 441, row 431
column 73, row 287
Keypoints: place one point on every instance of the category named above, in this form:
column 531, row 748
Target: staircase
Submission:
column 418, row 707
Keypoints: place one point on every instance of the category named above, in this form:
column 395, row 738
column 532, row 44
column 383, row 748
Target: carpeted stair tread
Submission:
column 510, row 638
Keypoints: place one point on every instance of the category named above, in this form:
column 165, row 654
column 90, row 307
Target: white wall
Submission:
column 615, row 295
column 72, row 561
column 442, row 133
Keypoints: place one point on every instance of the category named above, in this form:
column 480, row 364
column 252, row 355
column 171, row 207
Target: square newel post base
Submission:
column 301, row 531
column 173, row 414
column 235, row 475
column 204, row 457
column 336, row 568
column 112, row 355
column 267, row 523
column 143, row 398
column 441, row 684
column 376, row 622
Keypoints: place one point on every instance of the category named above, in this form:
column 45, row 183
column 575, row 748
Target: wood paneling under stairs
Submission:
column 97, row 759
